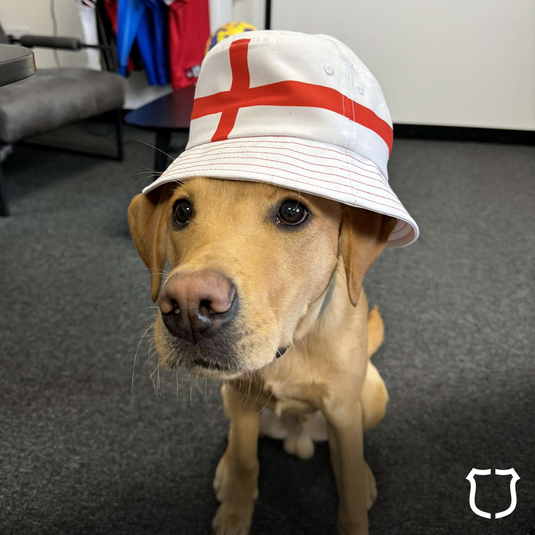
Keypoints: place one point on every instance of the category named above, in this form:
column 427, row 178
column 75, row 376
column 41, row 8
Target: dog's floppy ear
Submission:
column 148, row 228
column 363, row 237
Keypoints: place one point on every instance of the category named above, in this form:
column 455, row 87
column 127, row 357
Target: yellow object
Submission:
column 231, row 28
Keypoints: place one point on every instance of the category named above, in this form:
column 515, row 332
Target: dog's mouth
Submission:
column 201, row 362
column 212, row 367
column 221, row 357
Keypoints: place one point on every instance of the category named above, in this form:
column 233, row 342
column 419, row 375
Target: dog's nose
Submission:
column 197, row 303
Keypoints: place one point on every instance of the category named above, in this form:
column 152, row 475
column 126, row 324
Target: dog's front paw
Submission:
column 221, row 480
column 233, row 518
column 225, row 478
column 371, row 486
column 349, row 528
column 237, row 491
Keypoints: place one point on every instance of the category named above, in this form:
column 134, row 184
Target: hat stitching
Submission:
column 213, row 146
column 233, row 157
column 401, row 217
column 186, row 157
column 351, row 186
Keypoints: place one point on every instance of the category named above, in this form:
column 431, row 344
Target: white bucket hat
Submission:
column 298, row 111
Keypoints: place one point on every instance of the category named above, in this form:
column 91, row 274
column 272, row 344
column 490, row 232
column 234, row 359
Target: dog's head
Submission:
column 247, row 261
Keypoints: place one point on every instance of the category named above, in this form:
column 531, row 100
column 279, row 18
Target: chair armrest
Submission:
column 44, row 41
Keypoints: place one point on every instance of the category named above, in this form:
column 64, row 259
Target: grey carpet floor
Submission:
column 82, row 452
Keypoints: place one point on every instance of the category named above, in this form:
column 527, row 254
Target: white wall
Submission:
column 440, row 62
column 444, row 62
column 252, row 11
column 33, row 16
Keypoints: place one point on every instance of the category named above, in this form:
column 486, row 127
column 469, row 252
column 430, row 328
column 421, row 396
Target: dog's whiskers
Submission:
column 191, row 392
column 160, row 385
column 147, row 177
column 266, row 403
column 203, row 395
column 368, row 281
column 154, row 371
column 151, row 351
column 156, row 148
column 146, row 172
column 153, row 380
column 162, row 272
column 151, row 326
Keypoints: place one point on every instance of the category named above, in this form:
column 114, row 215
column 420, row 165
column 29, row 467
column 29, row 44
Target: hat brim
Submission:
column 298, row 164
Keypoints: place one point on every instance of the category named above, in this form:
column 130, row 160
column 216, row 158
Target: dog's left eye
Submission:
column 182, row 212
column 292, row 213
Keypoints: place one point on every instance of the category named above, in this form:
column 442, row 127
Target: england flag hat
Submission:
column 298, row 111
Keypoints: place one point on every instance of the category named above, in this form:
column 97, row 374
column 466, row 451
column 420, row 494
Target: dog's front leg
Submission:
column 344, row 426
column 236, row 478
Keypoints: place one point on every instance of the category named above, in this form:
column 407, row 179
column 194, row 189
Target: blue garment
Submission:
column 146, row 22
column 157, row 42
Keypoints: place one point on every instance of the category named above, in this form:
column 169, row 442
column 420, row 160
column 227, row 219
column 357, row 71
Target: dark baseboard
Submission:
column 461, row 133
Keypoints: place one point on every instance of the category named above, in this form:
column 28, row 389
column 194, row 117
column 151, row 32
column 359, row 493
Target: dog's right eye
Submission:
column 292, row 213
column 182, row 212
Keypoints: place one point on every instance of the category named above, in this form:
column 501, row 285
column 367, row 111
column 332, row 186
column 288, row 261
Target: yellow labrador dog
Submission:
column 264, row 294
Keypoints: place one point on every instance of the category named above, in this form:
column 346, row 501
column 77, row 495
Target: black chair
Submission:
column 53, row 98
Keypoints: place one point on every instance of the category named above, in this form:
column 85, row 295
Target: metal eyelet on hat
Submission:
column 328, row 69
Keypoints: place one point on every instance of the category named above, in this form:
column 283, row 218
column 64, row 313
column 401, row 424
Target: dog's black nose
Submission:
column 197, row 304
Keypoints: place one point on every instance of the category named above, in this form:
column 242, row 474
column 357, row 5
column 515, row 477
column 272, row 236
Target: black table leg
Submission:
column 161, row 159
column 4, row 209
column 119, row 134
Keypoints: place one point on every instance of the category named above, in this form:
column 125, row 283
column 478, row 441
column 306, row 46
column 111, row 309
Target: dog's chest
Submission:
column 294, row 386
column 288, row 404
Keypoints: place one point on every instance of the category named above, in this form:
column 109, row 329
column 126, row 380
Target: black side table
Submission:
column 164, row 116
